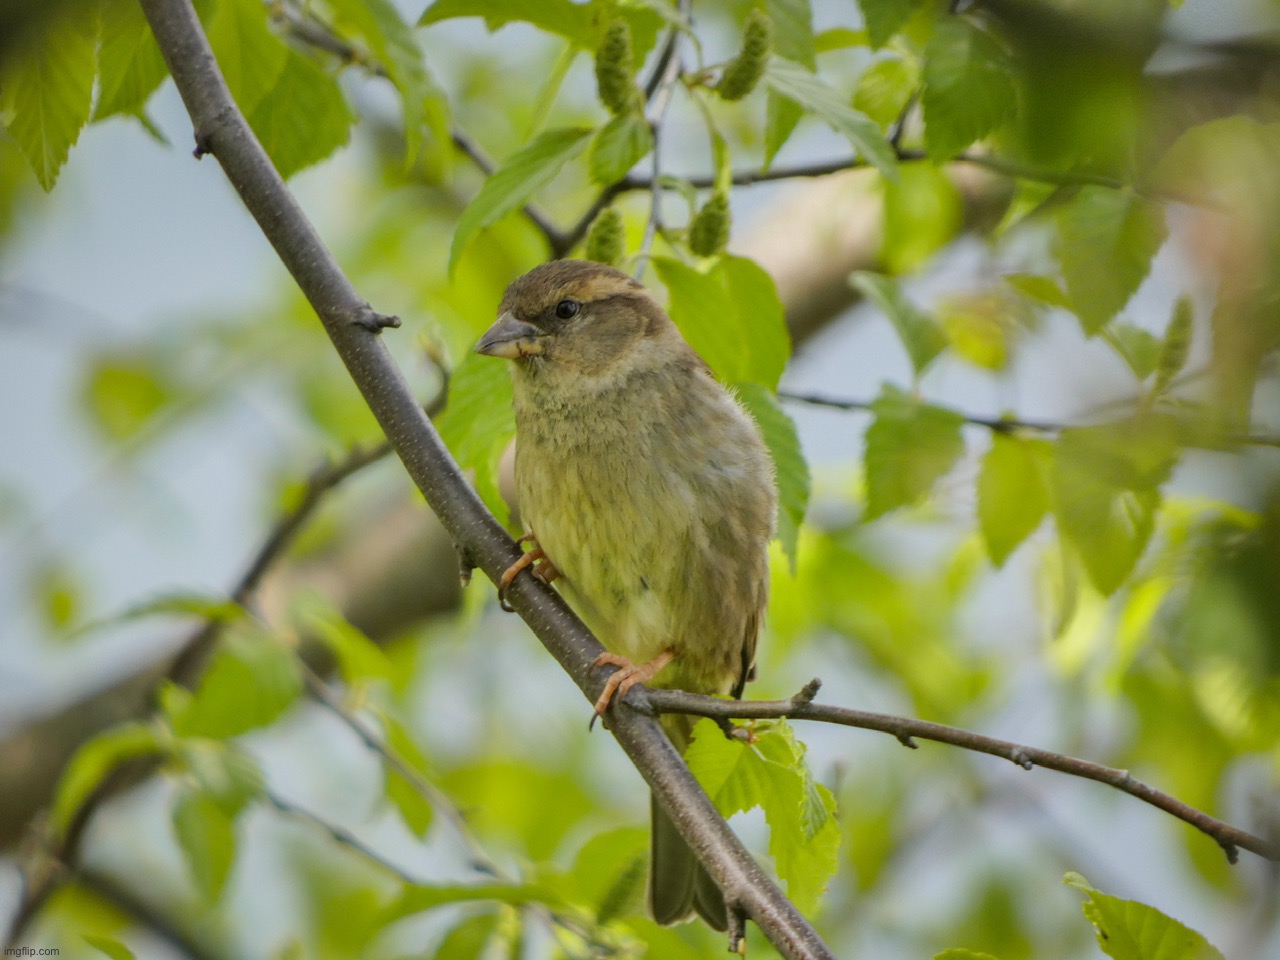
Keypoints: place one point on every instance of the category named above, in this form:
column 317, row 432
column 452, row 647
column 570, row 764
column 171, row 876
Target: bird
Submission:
column 649, row 498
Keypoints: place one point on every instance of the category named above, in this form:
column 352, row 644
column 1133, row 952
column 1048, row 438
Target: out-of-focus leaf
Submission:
column 1139, row 348
column 422, row 897
column 910, row 446
column 123, row 394
column 781, row 117
column 793, row 30
column 1105, row 242
column 468, row 940
column 1043, row 289
column 1176, row 345
column 982, row 324
column 969, row 88
column 576, row 22
column 516, row 180
column 839, row 38
column 1128, row 930
column 885, row 88
column 771, row 773
column 788, row 459
column 1013, row 492
column 46, row 87
column 884, row 18
column 94, row 760
column 618, row 146
column 60, row 592
column 731, row 316
column 207, row 837
column 130, row 66
column 226, row 775
column 302, row 117
column 1106, row 490
column 359, row 658
column 414, row 808
column 213, row 609
column 478, row 422
column 252, row 680
column 960, row 953
column 918, row 331
column 922, row 213
column 791, row 80
column 109, row 946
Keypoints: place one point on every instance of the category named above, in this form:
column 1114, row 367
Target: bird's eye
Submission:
column 566, row 309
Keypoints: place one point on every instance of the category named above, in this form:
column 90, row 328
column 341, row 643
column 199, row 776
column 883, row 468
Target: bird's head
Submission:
column 581, row 319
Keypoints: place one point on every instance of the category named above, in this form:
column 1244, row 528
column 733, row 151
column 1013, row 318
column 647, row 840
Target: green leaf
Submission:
column 250, row 56
column 968, row 86
column 46, row 88
column 959, row 953
column 226, row 775
column 1013, row 492
column 793, row 30
column 359, row 658
column 391, row 41
column 421, row 897
column 468, row 940
column 885, row 88
column 771, row 773
column 731, row 316
column 578, row 23
column 909, row 446
column 1042, row 289
column 918, row 331
column 253, row 679
column 791, row 80
column 130, row 66
column 980, row 325
column 478, row 422
column 60, row 591
column 207, row 837
column 407, row 798
column 781, row 117
column 1128, row 930
column 839, row 38
column 923, row 212
column 212, row 609
column 1139, row 348
column 111, row 947
column 884, row 18
column 124, row 394
column 94, row 761
column 788, row 460
column 1105, row 242
column 302, row 117
column 1106, row 491
column 1176, row 345
column 618, row 146
column 522, row 175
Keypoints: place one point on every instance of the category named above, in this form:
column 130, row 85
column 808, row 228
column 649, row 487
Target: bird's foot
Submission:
column 541, row 565
column 626, row 676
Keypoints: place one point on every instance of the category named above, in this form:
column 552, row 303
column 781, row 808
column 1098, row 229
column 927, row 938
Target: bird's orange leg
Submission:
column 627, row 675
column 542, row 566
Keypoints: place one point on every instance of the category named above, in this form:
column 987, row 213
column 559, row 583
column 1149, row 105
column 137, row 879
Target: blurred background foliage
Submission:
column 1019, row 261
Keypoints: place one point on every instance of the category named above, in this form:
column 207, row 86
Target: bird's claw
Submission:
column 541, row 567
column 625, row 677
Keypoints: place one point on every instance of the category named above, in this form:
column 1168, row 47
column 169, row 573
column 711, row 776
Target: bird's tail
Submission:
column 679, row 885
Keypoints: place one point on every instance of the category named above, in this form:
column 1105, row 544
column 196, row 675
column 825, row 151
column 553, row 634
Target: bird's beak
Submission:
column 511, row 339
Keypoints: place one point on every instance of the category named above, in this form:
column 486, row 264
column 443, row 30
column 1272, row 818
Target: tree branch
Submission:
column 353, row 327
column 907, row 730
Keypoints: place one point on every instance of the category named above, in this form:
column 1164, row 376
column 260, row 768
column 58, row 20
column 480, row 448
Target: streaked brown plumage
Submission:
column 650, row 490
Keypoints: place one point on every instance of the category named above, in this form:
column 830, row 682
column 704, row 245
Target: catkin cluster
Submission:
column 606, row 238
column 709, row 229
column 615, row 68
column 744, row 71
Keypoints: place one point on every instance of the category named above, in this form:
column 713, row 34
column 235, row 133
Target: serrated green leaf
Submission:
column 780, row 119
column 1139, row 348
column 94, row 761
column 478, row 423
column 522, row 175
column 909, row 446
column 968, row 86
column 618, row 146
column 252, row 680
column 1128, row 930
column 923, row 212
column 130, row 65
column 1105, row 242
column 885, row 88
column 788, row 460
column 207, row 837
column 731, row 316
column 791, row 80
column 1106, row 491
column 109, row 946
column 1013, row 492
column 793, row 30
column 46, row 88
column 1176, row 345
column 884, row 18
column 918, row 331
column 226, row 775
column 302, row 117
column 771, row 773
column 391, row 41
column 250, row 56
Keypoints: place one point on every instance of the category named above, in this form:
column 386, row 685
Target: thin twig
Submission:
column 659, row 103
column 907, row 730
column 339, row 835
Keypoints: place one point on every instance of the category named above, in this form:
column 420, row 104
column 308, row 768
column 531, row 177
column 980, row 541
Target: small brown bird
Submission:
column 650, row 497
